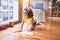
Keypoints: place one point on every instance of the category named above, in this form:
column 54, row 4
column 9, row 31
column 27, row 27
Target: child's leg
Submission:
column 34, row 26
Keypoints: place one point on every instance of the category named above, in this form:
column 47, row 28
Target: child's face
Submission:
column 25, row 13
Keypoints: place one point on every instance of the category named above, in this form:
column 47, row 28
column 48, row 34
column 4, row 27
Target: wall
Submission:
column 20, row 2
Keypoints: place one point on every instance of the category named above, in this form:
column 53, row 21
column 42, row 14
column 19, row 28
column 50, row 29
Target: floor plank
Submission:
column 47, row 31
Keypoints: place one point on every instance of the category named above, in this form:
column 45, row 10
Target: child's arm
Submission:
column 33, row 24
column 20, row 28
column 22, row 24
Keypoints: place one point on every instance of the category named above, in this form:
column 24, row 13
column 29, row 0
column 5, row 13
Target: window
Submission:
column 8, row 11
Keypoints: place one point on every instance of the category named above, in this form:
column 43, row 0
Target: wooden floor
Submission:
column 49, row 30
